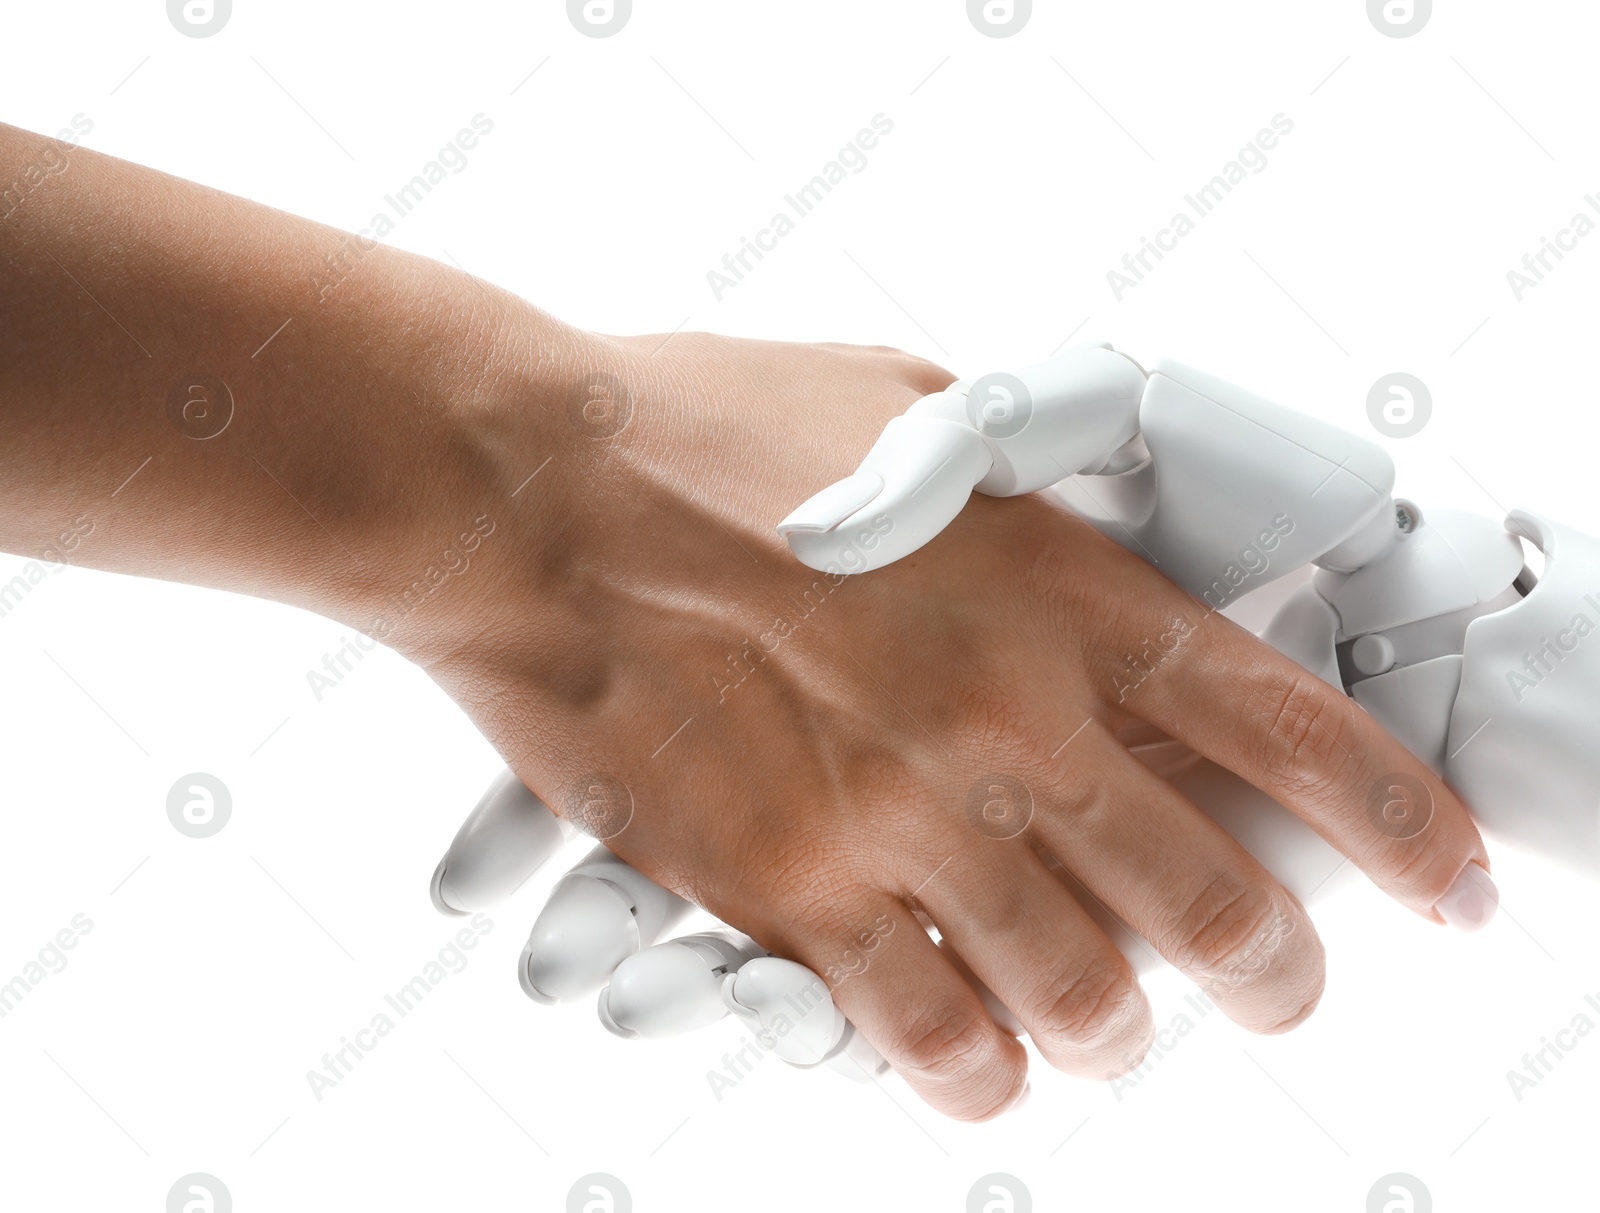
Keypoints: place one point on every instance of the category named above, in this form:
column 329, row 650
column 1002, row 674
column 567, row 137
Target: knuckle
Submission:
column 1301, row 744
column 877, row 775
column 1229, row 931
column 994, row 723
column 927, row 377
column 832, row 913
column 999, row 908
column 807, row 904
column 1083, row 799
column 945, row 1048
column 910, row 360
column 1089, row 1006
column 1103, row 600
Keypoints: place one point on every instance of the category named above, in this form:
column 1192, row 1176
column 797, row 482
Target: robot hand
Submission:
column 1437, row 627
column 599, row 935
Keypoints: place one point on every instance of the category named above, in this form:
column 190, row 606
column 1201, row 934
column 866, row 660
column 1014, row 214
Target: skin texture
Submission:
column 573, row 533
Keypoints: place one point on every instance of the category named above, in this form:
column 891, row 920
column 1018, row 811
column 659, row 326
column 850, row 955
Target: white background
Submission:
column 1019, row 171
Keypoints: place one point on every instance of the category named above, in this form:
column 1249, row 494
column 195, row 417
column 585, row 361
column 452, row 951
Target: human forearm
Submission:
column 339, row 455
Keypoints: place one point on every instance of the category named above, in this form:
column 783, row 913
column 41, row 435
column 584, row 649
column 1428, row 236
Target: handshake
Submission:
column 1435, row 624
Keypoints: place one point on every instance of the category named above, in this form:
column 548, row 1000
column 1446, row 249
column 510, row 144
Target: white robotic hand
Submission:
column 676, row 986
column 1003, row 434
column 1436, row 627
column 598, row 937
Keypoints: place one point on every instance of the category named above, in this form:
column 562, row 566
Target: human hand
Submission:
column 798, row 759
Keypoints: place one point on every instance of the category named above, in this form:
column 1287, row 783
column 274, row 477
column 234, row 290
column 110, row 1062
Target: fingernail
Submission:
column 1471, row 901
column 1027, row 1090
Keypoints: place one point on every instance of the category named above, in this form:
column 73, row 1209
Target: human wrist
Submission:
column 505, row 473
